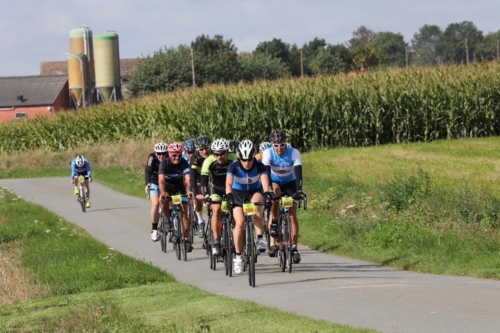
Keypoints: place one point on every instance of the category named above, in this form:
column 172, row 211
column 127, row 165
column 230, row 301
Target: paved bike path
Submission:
column 322, row 286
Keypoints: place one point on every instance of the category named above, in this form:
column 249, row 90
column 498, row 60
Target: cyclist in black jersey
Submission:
column 214, row 170
column 173, row 178
column 202, row 144
column 152, row 189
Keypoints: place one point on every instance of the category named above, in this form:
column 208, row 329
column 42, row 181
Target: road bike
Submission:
column 177, row 234
column 249, row 253
column 284, row 239
column 82, row 199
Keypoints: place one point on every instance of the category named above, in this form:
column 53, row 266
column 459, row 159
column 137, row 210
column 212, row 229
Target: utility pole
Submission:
column 192, row 68
column 301, row 64
column 406, row 56
column 466, row 52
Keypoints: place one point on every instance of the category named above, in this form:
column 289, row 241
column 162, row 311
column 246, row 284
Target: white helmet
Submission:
column 246, row 150
column 220, row 144
column 80, row 161
column 161, row 147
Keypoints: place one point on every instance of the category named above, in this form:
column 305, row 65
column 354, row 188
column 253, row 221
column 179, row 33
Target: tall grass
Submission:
column 393, row 106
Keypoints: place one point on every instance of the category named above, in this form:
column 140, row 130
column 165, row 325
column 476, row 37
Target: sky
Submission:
column 34, row 31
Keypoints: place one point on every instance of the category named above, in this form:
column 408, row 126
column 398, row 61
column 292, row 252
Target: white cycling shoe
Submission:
column 238, row 265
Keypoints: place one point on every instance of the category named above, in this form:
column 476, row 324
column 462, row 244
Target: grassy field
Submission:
column 428, row 207
column 54, row 277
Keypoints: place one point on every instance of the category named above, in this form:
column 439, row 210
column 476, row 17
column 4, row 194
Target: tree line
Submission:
column 209, row 60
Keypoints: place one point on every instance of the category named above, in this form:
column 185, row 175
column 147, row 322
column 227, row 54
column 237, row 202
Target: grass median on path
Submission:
column 428, row 207
column 76, row 284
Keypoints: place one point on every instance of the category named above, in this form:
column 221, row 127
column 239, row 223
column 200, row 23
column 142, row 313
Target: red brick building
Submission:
column 27, row 96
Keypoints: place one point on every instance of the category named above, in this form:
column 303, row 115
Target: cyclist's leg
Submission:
column 258, row 222
column 273, row 217
column 155, row 203
column 238, row 231
column 290, row 188
column 198, row 212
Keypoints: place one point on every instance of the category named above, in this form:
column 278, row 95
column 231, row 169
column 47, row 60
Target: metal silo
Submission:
column 78, row 79
column 80, row 40
column 107, row 67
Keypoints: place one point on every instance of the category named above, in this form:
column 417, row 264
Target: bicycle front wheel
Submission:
column 251, row 254
column 179, row 240
column 288, row 243
column 82, row 197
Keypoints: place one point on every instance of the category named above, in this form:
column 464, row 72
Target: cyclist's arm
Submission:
column 193, row 173
column 88, row 169
column 187, row 178
column 205, row 173
column 297, row 168
column 161, row 184
column 73, row 170
column 148, row 171
column 230, row 178
column 266, row 160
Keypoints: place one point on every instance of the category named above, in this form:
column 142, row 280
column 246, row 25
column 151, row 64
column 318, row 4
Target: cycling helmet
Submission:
column 80, row 161
column 233, row 145
column 246, row 150
column 189, row 146
column 161, row 147
column 278, row 136
column 264, row 146
column 220, row 144
column 175, row 147
column 203, row 141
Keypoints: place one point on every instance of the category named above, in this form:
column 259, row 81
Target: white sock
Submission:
column 200, row 217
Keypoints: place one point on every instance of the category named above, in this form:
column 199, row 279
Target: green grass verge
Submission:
column 92, row 288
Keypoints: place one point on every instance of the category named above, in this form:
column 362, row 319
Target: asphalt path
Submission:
column 322, row 286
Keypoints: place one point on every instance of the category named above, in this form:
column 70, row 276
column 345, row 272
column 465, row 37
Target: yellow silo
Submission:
column 107, row 67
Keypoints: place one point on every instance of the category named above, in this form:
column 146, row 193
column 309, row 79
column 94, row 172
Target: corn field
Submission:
column 393, row 106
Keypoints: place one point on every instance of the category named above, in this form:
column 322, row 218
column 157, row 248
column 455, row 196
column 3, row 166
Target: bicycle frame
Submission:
column 81, row 196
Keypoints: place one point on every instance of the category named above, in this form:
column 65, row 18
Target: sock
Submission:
column 200, row 217
column 259, row 236
column 238, row 255
column 76, row 187
column 216, row 241
column 155, row 226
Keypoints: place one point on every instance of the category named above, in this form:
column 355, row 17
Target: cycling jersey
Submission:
column 187, row 159
column 196, row 165
column 174, row 173
column 84, row 170
column 246, row 180
column 217, row 172
column 282, row 165
column 151, row 170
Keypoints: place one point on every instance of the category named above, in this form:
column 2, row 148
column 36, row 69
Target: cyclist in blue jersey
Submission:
column 188, row 151
column 80, row 166
column 151, row 177
column 246, row 179
column 284, row 166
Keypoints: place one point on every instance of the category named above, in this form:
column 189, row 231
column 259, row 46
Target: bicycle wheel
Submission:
column 230, row 247
column 192, row 222
column 251, row 255
column 288, row 243
column 82, row 197
column 163, row 234
column 282, row 245
column 266, row 229
column 179, row 239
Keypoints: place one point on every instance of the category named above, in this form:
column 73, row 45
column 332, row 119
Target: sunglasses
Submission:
column 175, row 155
column 202, row 148
column 161, row 154
column 219, row 154
column 246, row 159
column 279, row 145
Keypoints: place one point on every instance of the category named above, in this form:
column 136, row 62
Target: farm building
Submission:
column 27, row 96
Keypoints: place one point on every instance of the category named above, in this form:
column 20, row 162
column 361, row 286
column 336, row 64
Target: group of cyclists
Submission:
column 209, row 172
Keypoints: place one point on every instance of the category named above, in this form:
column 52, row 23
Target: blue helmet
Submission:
column 189, row 146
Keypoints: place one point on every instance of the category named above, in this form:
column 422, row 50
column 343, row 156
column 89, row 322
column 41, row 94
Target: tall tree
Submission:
column 166, row 70
column 425, row 45
column 260, row 66
column 361, row 54
column 453, row 45
column 489, row 48
column 216, row 60
column 276, row 48
column 389, row 48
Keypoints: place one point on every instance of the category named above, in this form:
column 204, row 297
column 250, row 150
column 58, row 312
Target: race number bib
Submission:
column 81, row 179
column 287, row 202
column 176, row 199
column 249, row 209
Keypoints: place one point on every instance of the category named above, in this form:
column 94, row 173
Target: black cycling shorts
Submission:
column 288, row 188
column 241, row 197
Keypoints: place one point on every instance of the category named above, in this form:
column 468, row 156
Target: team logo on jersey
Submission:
column 249, row 180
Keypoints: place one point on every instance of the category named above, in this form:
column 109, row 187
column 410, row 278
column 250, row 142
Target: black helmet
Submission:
column 233, row 145
column 203, row 141
column 278, row 136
